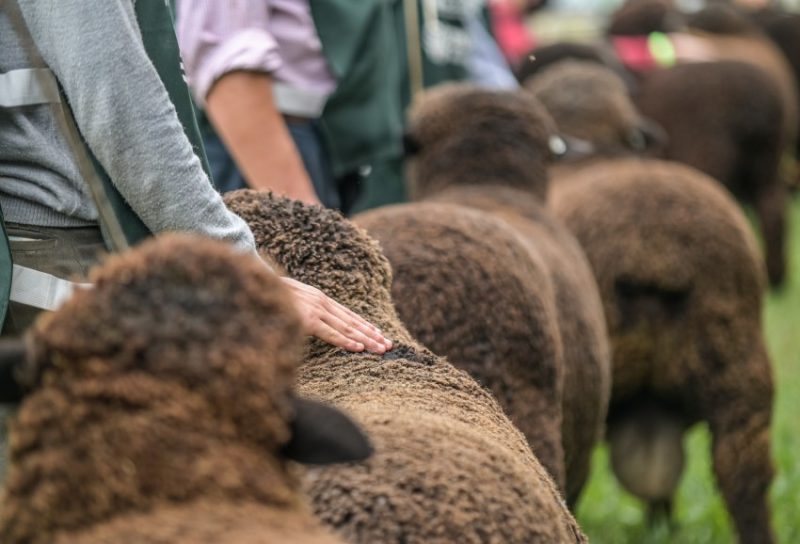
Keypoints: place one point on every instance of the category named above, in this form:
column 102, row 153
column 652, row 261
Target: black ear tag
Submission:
column 323, row 435
column 13, row 354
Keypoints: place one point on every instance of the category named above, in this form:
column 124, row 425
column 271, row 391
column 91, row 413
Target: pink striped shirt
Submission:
column 274, row 36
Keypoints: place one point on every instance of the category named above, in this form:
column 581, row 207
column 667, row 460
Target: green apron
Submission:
column 445, row 51
column 155, row 21
column 358, row 42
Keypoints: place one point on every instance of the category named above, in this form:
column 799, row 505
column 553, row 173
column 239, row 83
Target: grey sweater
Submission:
column 122, row 109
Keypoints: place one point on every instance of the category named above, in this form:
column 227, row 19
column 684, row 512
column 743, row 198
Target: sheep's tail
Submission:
column 647, row 454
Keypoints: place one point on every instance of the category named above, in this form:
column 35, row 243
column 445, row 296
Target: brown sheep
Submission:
column 682, row 289
column 729, row 35
column 449, row 465
column 726, row 119
column 723, row 118
column 469, row 288
column 161, row 408
column 737, row 38
column 495, row 159
column 682, row 285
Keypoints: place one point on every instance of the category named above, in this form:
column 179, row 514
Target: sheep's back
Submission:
column 677, row 266
column 723, row 118
column 579, row 311
column 449, row 465
column 467, row 288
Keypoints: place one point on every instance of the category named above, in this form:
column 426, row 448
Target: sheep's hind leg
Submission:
column 740, row 422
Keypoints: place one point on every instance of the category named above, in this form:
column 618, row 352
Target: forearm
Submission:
column 241, row 107
column 126, row 117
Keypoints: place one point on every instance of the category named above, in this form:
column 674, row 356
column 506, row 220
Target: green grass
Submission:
column 609, row 515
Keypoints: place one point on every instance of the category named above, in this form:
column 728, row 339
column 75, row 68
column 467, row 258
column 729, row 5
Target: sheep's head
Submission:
column 187, row 314
column 321, row 248
column 720, row 18
column 459, row 134
column 590, row 103
column 641, row 17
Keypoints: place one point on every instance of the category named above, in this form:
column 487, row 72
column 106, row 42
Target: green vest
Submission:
column 358, row 42
column 155, row 21
column 445, row 46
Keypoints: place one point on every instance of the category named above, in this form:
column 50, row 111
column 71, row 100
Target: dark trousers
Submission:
column 67, row 253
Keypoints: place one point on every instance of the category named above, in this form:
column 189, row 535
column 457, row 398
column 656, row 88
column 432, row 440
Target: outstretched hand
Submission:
column 331, row 322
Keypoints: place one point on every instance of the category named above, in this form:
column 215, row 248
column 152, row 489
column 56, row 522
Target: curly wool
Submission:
column 161, row 393
column 449, row 465
column 468, row 288
column 579, row 312
column 682, row 289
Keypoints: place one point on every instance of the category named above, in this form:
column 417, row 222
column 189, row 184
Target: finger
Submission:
column 377, row 341
column 358, row 322
column 330, row 335
column 347, row 329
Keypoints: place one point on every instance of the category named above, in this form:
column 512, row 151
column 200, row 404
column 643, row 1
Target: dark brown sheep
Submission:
column 495, row 159
column 547, row 55
column 734, row 37
column 784, row 29
column 682, row 290
column 682, row 286
column 724, row 118
column 449, row 465
column 469, row 288
column 161, row 408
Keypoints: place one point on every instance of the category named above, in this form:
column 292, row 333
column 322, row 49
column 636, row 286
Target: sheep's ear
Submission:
column 13, row 354
column 648, row 136
column 322, row 435
column 411, row 146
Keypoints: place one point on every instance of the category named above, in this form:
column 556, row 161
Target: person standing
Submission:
column 297, row 91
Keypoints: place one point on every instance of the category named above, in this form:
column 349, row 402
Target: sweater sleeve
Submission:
column 124, row 113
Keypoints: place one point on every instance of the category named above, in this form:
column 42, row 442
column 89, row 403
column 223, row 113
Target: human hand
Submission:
column 331, row 322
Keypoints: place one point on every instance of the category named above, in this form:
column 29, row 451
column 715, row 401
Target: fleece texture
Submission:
column 447, row 135
column 160, row 402
column 468, row 288
column 682, row 284
column 449, row 465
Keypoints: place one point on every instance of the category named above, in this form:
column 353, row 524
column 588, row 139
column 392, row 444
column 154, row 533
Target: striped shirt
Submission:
column 273, row 36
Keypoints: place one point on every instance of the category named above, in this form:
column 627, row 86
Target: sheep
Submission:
column 728, row 34
column 724, row 118
column 468, row 288
column 542, row 57
column 448, row 466
column 682, row 290
column 734, row 37
column 681, row 284
column 158, row 408
column 784, row 29
column 495, row 159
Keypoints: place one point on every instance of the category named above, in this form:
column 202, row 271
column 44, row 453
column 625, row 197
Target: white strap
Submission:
column 302, row 103
column 28, row 87
column 40, row 289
